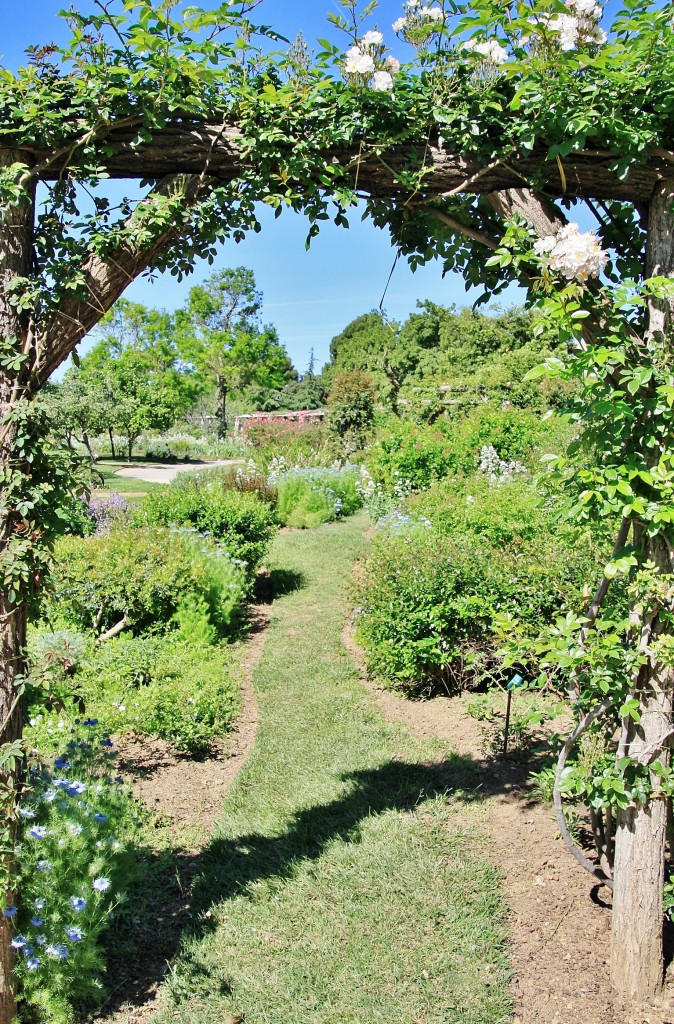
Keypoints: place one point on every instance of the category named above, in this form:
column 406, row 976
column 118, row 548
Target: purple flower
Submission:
column 38, row 832
column 9, row 911
column 100, row 817
column 74, row 934
column 18, row 942
column 101, row 884
column 37, row 921
column 32, row 963
column 78, row 902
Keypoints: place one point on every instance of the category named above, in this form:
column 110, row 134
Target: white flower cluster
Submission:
column 581, row 25
column 497, row 469
column 419, row 23
column 575, row 255
column 489, row 49
column 366, row 64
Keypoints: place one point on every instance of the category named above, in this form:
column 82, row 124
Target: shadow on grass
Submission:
column 275, row 583
column 178, row 890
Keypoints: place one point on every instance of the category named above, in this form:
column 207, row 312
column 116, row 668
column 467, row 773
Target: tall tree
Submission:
column 220, row 334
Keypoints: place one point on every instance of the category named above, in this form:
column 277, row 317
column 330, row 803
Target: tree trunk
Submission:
column 16, row 237
column 637, row 940
column 221, row 408
column 112, row 443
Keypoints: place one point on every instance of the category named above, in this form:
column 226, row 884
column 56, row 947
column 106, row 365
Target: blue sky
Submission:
column 309, row 296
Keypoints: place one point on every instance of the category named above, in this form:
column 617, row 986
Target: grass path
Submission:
column 346, row 881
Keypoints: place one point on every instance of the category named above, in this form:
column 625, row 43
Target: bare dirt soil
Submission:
column 560, row 919
column 185, row 796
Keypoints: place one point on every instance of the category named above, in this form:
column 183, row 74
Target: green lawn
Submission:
column 120, row 484
column 347, row 881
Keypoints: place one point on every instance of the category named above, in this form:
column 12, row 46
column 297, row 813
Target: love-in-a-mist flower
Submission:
column 77, row 902
column 74, row 934
column 38, row 832
column 101, row 884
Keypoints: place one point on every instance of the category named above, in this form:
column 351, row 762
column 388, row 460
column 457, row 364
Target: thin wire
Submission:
column 381, row 303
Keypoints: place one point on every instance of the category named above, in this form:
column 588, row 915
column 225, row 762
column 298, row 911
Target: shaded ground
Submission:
column 559, row 919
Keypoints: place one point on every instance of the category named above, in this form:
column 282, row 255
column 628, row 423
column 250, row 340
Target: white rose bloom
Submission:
column 393, row 65
column 358, row 63
column 585, row 8
column 434, row 13
column 489, row 49
column 399, row 25
column 372, row 39
column 575, row 255
column 383, row 82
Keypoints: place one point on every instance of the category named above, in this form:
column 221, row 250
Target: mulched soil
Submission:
column 560, row 920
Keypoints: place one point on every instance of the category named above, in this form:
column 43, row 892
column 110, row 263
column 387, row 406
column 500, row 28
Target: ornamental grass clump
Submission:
column 72, row 868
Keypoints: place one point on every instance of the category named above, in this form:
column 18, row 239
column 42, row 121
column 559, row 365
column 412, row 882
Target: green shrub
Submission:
column 73, row 867
column 351, row 405
column 428, row 600
column 237, row 519
column 178, row 690
column 407, row 457
column 510, row 514
column 313, row 495
column 516, row 434
column 141, row 576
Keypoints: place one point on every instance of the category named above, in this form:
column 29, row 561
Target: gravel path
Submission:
column 162, row 473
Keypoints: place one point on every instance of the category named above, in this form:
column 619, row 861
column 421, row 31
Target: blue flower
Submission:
column 62, row 783
column 101, row 884
column 18, row 942
column 38, row 832
column 107, row 743
column 61, row 762
column 9, row 911
column 74, row 934
column 41, row 940
column 40, row 904
column 100, row 817
column 37, row 921
column 25, row 812
column 27, row 950
column 91, row 721
column 78, row 902
column 76, row 788
column 33, row 963
column 44, row 865
column 49, row 796
column 58, row 951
